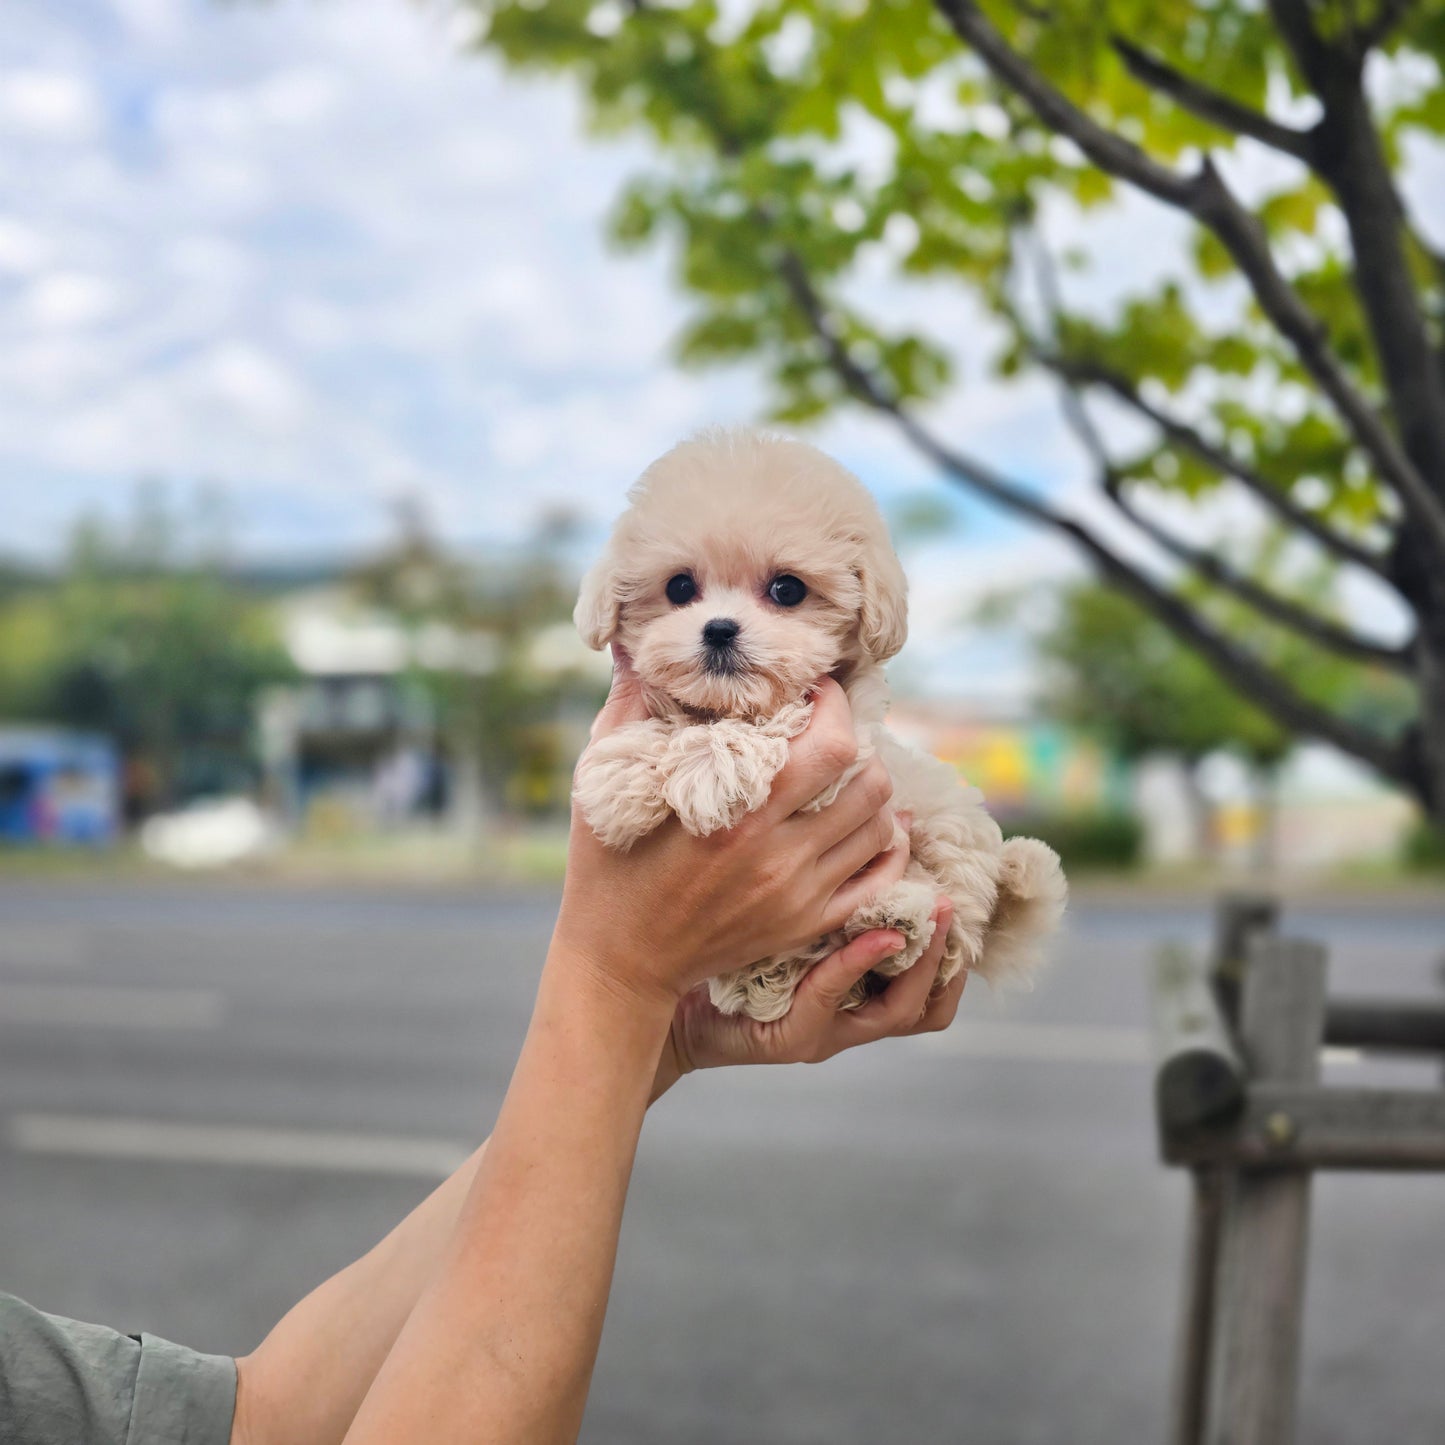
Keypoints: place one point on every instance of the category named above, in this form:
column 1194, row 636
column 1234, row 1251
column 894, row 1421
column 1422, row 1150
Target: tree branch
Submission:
column 1205, row 196
column 1300, row 620
column 1351, row 159
column 1389, row 15
column 1209, row 104
column 1234, row 663
column 1217, row 457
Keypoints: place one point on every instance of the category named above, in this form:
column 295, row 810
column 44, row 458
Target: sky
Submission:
column 321, row 258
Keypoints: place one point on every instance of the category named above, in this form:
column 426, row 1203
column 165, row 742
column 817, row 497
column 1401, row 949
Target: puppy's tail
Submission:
column 1032, row 892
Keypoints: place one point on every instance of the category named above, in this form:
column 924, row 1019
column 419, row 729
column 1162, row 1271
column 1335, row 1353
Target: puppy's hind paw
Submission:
column 1032, row 894
column 907, row 908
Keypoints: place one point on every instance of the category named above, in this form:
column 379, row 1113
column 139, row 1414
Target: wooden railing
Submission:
column 1239, row 1102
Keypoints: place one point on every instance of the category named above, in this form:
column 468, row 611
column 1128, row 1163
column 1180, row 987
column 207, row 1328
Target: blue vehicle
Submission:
column 58, row 787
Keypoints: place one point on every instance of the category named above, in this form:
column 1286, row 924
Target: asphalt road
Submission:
column 212, row 1096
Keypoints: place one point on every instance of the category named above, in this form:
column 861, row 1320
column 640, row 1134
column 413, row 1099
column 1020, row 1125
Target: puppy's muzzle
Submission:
column 720, row 650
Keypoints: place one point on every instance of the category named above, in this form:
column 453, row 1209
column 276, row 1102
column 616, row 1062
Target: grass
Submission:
column 537, row 855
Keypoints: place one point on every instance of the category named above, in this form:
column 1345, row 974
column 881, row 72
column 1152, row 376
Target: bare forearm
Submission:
column 501, row 1345
column 304, row 1384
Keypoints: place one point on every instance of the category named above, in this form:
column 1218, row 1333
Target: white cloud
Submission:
column 315, row 254
column 22, row 248
column 51, row 105
column 69, row 300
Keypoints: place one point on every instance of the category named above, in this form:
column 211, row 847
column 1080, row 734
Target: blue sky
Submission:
column 316, row 256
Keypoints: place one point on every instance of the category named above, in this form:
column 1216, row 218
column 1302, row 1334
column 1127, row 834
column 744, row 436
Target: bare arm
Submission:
column 479, row 1316
column 501, row 1344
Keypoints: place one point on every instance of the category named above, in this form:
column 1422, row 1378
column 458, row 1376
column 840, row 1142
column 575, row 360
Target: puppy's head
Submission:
column 746, row 566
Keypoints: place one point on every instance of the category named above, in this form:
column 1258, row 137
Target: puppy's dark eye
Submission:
column 787, row 591
column 681, row 589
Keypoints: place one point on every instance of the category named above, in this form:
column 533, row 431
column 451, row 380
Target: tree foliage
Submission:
column 816, row 160
column 1114, row 669
column 161, row 653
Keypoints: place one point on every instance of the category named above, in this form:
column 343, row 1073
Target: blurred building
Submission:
column 1021, row 763
column 354, row 743
column 1318, row 811
column 391, row 719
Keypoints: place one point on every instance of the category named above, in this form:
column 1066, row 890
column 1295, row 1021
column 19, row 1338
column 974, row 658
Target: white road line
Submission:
column 1056, row 1043
column 42, row 947
column 244, row 1145
column 1066, row 1043
column 79, row 1006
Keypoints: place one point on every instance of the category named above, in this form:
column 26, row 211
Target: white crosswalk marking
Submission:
column 83, row 1006
column 1064, row 1043
column 244, row 1145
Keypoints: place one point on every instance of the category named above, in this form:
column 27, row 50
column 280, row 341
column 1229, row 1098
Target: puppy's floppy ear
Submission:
column 883, row 609
column 599, row 603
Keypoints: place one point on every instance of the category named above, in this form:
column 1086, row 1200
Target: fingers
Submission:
column 624, row 699
column 815, row 1028
column 905, row 1003
column 876, row 834
column 883, row 870
column 823, row 750
column 861, row 798
column 821, row 993
column 942, row 1007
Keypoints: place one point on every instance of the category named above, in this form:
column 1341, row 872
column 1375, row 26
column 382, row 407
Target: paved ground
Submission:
column 213, row 1096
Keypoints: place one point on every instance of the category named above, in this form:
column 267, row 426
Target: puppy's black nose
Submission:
column 720, row 632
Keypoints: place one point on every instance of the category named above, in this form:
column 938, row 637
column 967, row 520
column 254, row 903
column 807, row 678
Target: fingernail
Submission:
column 890, row 941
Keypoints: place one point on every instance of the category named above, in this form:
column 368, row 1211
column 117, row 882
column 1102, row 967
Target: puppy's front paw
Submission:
column 715, row 773
column 618, row 789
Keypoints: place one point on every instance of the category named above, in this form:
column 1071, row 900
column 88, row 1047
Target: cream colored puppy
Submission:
column 746, row 566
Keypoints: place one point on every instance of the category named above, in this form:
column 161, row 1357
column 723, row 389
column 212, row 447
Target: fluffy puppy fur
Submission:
column 700, row 583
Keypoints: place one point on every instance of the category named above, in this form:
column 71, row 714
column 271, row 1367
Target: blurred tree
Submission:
column 1113, row 668
column 1290, row 355
column 1115, row 671
column 161, row 654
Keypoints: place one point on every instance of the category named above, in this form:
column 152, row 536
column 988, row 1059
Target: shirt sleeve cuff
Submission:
column 181, row 1397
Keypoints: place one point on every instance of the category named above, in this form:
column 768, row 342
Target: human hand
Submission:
column 676, row 909
column 814, row 1029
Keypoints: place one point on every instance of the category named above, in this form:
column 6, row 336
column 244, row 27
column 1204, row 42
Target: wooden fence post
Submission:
column 1238, row 918
column 1190, row 1396
column 1254, row 1379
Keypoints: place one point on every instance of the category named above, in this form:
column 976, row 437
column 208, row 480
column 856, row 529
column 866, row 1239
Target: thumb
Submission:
column 624, row 701
column 827, row 985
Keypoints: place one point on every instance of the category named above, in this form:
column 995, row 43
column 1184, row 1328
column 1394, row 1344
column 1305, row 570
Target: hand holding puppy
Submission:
column 677, row 909
column 817, row 1027
column 745, row 566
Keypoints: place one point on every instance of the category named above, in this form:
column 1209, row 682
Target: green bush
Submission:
column 1084, row 839
column 1425, row 847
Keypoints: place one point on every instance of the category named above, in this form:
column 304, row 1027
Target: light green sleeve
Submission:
column 67, row 1383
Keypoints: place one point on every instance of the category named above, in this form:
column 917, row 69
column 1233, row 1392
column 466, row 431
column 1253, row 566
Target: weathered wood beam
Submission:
column 1199, row 1075
column 1254, row 1372
column 1412, row 1025
column 1237, row 918
column 1289, row 1127
column 1190, row 1393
